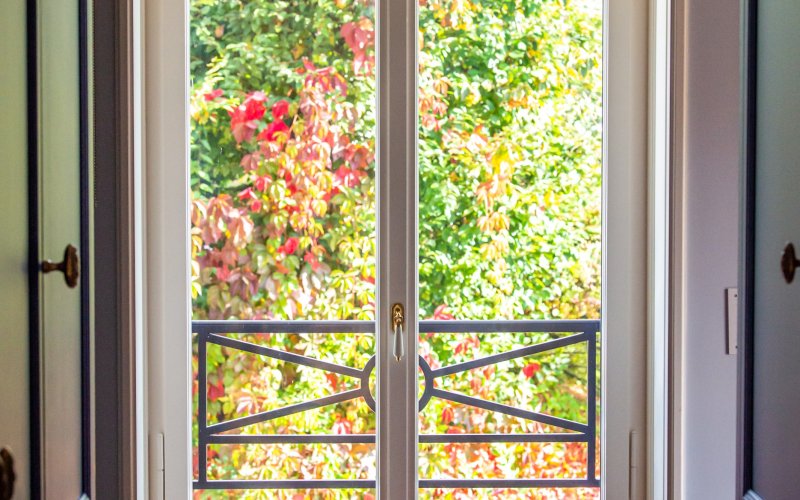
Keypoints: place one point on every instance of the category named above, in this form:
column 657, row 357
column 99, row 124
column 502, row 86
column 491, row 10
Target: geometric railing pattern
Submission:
column 224, row 333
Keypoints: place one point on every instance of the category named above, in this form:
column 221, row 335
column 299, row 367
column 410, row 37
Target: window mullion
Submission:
column 397, row 247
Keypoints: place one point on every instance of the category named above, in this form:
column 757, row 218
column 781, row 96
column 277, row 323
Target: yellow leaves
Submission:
column 487, row 192
column 441, row 85
column 549, row 199
column 298, row 51
column 320, row 207
column 473, row 96
column 461, row 14
column 495, row 249
column 299, row 220
column 503, row 159
column 521, row 97
column 495, row 221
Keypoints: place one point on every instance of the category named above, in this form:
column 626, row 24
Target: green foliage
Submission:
column 283, row 216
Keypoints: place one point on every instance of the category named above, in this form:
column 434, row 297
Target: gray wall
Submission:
column 711, row 246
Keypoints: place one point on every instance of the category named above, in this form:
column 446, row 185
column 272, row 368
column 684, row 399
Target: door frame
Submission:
column 157, row 214
column 112, row 190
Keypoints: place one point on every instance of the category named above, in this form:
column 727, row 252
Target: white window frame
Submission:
column 629, row 281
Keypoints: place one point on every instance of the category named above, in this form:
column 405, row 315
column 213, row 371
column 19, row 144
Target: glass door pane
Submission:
column 283, row 248
column 510, row 157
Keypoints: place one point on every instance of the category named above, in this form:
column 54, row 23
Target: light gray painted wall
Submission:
column 711, row 246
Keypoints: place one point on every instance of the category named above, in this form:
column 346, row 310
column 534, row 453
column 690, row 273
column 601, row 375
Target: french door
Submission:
column 379, row 275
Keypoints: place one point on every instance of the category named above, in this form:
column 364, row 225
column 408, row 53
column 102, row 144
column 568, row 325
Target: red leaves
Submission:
column 240, row 227
column 211, row 218
column 297, row 153
column 467, row 344
column 210, row 96
column 348, row 177
column 325, row 79
column 358, row 156
column 216, row 391
column 342, row 426
column 250, row 161
column 312, row 259
column 360, row 36
column 441, row 313
column 289, row 247
column 262, row 183
column 333, row 380
column 279, row 109
column 244, row 116
column 271, row 133
column 447, row 415
column 530, row 369
column 247, row 194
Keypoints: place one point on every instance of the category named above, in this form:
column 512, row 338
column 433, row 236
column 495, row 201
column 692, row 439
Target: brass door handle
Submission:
column 70, row 266
column 398, row 318
column 7, row 474
column 789, row 262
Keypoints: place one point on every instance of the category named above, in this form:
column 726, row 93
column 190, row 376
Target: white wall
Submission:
column 711, row 246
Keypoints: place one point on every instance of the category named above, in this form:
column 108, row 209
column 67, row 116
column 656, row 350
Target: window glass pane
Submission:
column 283, row 230
column 510, row 171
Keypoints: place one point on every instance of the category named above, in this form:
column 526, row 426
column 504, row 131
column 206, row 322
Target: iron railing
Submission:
column 222, row 333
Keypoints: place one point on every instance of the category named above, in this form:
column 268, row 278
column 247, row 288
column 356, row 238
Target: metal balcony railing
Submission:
column 224, row 333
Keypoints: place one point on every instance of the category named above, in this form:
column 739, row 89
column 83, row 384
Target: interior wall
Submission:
column 14, row 243
column 711, row 196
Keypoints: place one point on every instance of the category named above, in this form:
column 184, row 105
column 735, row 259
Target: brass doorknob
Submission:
column 7, row 475
column 789, row 262
column 70, row 266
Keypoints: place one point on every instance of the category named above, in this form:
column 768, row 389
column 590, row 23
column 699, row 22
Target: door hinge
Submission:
column 157, row 478
column 634, row 462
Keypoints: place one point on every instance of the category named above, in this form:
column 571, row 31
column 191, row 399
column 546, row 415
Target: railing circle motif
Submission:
column 366, row 393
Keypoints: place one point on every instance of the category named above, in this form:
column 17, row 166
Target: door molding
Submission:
column 34, row 348
column 117, row 352
column 744, row 425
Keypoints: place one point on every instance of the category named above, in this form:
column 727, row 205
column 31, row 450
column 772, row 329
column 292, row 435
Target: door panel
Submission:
column 59, row 225
column 14, row 391
column 776, row 316
column 56, row 351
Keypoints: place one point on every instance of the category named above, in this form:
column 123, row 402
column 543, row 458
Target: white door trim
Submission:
column 660, row 251
column 624, row 315
column 165, row 233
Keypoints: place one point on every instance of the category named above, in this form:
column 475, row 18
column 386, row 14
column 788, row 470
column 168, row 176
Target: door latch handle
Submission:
column 7, row 474
column 789, row 262
column 398, row 320
column 70, row 266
